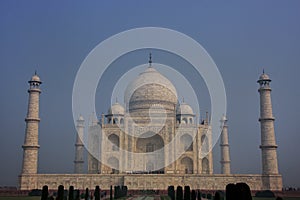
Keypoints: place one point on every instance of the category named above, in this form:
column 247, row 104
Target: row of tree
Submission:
column 120, row 191
column 239, row 191
column 185, row 194
column 72, row 194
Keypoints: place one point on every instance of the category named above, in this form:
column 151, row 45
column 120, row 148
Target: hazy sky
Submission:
column 241, row 37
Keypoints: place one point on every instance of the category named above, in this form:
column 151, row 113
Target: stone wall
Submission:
column 149, row 181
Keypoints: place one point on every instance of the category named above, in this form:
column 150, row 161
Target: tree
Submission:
column 199, row 195
column 187, row 193
column 238, row 191
column 243, row 191
column 179, row 193
column 209, row 196
column 71, row 192
column 77, row 195
column 60, row 193
column 86, row 196
column 231, row 192
column 97, row 193
column 45, row 192
column 125, row 188
column 110, row 193
column 117, row 192
column 193, row 197
column 171, row 192
column 221, row 194
column 217, row 196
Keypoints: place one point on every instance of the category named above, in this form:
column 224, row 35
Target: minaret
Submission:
column 31, row 146
column 79, row 148
column 268, row 144
column 225, row 156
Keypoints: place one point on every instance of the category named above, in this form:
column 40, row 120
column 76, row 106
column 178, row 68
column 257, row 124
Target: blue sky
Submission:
column 54, row 37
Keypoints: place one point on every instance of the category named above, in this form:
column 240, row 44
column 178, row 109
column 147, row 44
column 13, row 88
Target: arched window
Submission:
column 184, row 120
column 121, row 121
column 114, row 139
column 191, row 120
column 186, row 142
column 205, row 145
column 205, row 166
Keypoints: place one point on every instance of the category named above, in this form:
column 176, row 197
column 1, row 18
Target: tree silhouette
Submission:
column 45, row 193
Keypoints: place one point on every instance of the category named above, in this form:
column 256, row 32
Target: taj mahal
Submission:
column 150, row 142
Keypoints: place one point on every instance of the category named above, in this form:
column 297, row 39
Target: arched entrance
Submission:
column 151, row 145
column 187, row 165
column 114, row 165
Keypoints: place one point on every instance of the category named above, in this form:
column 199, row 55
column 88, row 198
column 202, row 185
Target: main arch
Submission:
column 151, row 148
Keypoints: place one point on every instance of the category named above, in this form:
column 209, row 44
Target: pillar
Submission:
column 31, row 146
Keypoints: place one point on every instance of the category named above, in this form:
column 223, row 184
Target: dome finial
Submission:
column 150, row 59
column 182, row 99
column 35, row 78
column 116, row 99
column 264, row 77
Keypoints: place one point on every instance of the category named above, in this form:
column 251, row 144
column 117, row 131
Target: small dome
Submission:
column 35, row 78
column 116, row 109
column 264, row 77
column 184, row 109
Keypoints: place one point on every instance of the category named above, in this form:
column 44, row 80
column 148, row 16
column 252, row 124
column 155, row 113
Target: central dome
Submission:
column 150, row 90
